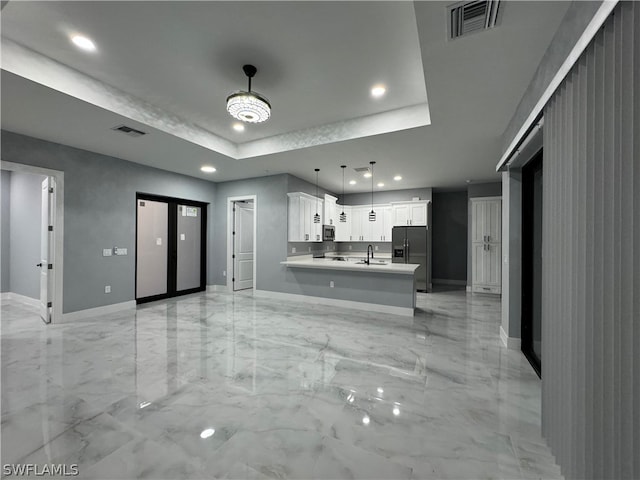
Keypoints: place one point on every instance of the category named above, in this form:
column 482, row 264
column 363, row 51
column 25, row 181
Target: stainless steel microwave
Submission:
column 328, row 233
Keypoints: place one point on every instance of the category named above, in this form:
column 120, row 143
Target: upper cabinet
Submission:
column 409, row 213
column 302, row 209
column 357, row 227
column 343, row 229
column 330, row 210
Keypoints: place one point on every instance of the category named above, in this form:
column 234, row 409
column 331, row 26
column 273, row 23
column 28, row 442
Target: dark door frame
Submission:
column 172, row 246
column 528, row 173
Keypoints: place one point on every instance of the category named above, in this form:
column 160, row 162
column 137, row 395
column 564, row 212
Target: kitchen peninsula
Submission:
column 378, row 286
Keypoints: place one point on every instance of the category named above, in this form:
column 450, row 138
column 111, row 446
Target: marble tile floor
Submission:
column 219, row 385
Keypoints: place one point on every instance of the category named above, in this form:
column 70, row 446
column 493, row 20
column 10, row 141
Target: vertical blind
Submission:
column 591, row 258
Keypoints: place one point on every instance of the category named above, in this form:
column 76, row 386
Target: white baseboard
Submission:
column 16, row 297
column 89, row 313
column 444, row 281
column 369, row 307
column 217, row 288
column 512, row 343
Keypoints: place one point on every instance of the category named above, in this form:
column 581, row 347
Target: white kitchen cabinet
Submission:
column 357, row 225
column 302, row 208
column 343, row 229
column 486, row 245
column 409, row 213
column 387, row 222
column 330, row 210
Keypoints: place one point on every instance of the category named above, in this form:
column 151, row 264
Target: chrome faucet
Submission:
column 369, row 249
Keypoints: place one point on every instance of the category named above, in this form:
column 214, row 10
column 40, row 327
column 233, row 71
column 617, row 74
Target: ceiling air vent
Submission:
column 361, row 169
column 469, row 17
column 132, row 132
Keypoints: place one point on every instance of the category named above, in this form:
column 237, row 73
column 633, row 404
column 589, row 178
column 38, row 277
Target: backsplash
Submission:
column 306, row 248
column 352, row 247
column 317, row 248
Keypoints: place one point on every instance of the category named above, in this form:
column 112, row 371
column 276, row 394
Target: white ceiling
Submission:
column 316, row 63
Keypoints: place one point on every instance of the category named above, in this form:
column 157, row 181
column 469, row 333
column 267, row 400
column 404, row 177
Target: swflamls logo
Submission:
column 33, row 469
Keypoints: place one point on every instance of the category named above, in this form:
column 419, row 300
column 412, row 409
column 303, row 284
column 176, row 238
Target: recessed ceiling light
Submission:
column 397, row 178
column 366, row 419
column 208, row 169
column 352, row 182
column 378, row 91
column 381, row 184
column 367, row 175
column 207, row 432
column 84, row 43
column 238, row 127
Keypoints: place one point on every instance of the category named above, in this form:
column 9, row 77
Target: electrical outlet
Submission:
column 331, row 284
column 224, row 273
column 107, row 289
column 349, row 247
column 119, row 251
column 106, row 252
column 376, row 248
column 309, row 248
column 293, row 249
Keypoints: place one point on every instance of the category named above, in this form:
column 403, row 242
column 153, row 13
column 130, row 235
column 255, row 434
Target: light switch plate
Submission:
column 119, row 251
column 159, row 241
column 107, row 289
column 183, row 236
column 106, row 252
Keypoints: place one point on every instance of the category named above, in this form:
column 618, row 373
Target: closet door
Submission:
column 170, row 247
column 189, row 247
column 152, row 248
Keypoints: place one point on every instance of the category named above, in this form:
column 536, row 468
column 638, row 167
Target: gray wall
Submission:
column 271, row 228
column 5, row 201
column 24, row 237
column 449, row 236
column 591, row 258
column 474, row 191
column 100, row 213
column 578, row 16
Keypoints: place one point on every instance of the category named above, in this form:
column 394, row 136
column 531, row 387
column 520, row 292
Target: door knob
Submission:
column 39, row 265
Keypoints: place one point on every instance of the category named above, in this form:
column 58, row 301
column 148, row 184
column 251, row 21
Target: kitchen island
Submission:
column 379, row 286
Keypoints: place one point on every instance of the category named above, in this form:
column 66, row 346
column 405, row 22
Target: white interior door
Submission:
column 243, row 245
column 46, row 248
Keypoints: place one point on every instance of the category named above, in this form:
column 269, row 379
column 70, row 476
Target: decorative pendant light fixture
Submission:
column 250, row 107
column 343, row 216
column 372, row 214
column 316, row 217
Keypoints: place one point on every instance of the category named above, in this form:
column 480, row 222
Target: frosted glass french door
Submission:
column 170, row 247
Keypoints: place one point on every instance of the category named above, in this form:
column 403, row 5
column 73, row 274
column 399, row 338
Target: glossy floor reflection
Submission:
column 231, row 386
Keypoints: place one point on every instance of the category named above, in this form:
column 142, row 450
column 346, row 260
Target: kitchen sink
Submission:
column 372, row 262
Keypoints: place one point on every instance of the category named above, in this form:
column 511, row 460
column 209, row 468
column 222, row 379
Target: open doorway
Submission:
column 32, row 237
column 532, row 184
column 241, row 244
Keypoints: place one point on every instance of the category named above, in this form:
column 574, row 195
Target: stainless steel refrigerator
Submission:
column 410, row 245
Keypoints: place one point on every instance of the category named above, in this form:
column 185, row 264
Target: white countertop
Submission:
column 354, row 266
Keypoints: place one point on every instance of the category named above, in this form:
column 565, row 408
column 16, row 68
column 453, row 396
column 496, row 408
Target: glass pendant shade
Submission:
column 343, row 216
column 372, row 214
column 316, row 217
